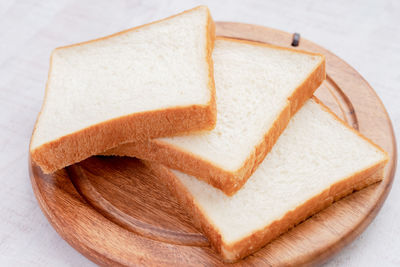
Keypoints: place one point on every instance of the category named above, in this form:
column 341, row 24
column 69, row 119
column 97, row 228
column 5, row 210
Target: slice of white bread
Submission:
column 151, row 81
column 258, row 87
column 317, row 160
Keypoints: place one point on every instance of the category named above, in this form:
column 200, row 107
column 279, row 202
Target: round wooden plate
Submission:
column 114, row 212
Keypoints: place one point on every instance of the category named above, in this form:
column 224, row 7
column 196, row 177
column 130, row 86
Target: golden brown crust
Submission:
column 357, row 181
column 255, row 241
column 90, row 141
column 250, row 244
column 227, row 181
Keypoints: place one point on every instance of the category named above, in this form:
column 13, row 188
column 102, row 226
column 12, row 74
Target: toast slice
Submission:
column 151, row 81
column 259, row 87
column 317, row 160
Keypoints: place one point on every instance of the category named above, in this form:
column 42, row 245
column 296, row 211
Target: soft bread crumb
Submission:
column 151, row 81
column 254, row 83
column 315, row 153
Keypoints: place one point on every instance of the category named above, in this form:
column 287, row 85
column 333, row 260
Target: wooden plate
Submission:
column 114, row 212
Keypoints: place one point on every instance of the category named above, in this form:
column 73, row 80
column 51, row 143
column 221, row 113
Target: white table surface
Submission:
column 364, row 33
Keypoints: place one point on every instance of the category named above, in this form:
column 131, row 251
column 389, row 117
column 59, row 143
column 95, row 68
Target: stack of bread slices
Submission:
column 231, row 126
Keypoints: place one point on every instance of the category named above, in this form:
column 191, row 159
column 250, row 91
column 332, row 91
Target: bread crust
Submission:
column 92, row 140
column 227, row 181
column 252, row 243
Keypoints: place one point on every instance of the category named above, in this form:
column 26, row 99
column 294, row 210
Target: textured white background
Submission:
column 364, row 33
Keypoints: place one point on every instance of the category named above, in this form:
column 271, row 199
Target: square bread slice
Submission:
column 317, row 160
column 152, row 81
column 258, row 87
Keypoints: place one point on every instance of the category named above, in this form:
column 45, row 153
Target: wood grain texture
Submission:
column 112, row 211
